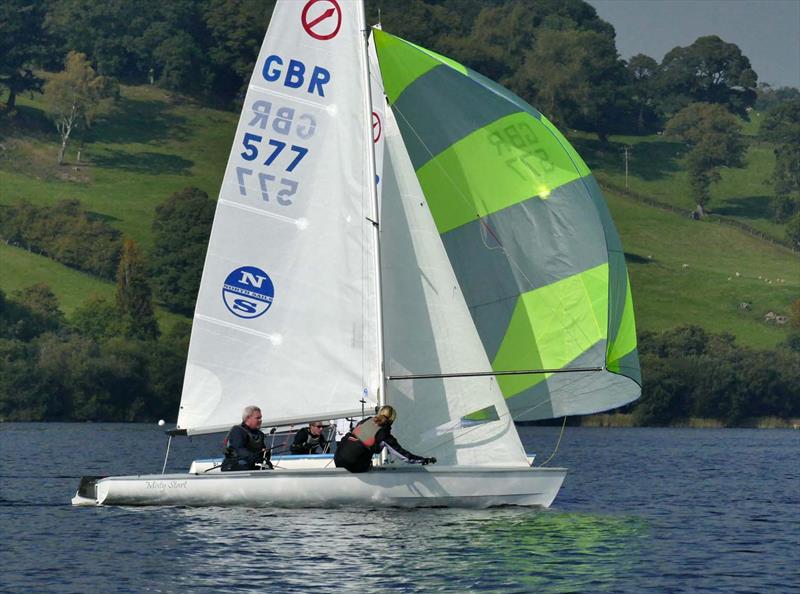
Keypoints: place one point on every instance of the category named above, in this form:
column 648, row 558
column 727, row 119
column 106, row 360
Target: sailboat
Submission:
column 394, row 227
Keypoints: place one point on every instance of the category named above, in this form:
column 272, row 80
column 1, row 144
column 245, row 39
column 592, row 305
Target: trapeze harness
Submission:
column 356, row 448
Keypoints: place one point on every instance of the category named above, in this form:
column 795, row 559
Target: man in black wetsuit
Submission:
column 369, row 437
column 310, row 440
column 245, row 444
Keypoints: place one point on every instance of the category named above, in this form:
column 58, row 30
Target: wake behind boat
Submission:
column 451, row 256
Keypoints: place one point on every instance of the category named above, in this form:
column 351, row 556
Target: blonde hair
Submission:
column 388, row 413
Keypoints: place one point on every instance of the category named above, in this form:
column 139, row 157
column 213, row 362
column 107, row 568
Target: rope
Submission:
column 560, row 435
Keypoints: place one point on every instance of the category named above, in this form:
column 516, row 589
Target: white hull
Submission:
column 389, row 486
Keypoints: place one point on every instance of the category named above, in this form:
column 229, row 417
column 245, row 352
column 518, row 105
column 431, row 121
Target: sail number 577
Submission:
column 251, row 145
column 273, row 149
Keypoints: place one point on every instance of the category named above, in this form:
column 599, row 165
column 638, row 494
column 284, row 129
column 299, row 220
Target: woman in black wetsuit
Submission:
column 355, row 450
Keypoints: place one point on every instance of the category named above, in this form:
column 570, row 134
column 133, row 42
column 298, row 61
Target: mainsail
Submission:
column 527, row 233
column 286, row 312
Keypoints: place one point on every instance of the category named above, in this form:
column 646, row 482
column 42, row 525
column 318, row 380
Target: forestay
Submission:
column 527, row 233
column 286, row 314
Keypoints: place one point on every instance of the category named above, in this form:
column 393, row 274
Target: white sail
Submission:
column 429, row 330
column 285, row 317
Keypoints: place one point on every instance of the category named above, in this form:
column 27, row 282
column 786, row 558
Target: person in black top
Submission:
column 310, row 440
column 369, row 437
column 245, row 444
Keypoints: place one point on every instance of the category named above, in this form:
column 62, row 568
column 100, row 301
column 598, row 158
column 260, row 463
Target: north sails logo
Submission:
column 248, row 292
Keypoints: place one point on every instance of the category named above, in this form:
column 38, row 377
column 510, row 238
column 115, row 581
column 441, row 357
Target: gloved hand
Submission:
column 426, row 461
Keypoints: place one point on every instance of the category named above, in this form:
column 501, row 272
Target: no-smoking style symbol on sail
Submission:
column 376, row 127
column 321, row 19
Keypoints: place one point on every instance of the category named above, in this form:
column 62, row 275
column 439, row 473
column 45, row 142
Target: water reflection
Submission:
column 508, row 550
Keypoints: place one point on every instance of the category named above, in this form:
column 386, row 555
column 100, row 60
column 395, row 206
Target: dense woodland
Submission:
column 109, row 360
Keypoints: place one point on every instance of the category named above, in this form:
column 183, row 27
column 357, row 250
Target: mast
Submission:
column 373, row 186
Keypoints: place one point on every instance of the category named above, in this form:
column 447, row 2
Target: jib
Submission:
column 294, row 76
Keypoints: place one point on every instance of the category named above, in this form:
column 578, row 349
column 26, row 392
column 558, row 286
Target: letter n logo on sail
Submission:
column 248, row 292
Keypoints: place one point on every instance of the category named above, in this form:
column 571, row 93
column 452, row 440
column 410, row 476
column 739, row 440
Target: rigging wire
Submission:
column 166, row 456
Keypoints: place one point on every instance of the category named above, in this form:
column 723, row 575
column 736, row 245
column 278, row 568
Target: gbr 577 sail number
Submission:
column 276, row 141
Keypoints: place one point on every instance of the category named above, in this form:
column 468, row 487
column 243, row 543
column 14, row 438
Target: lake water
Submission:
column 642, row 510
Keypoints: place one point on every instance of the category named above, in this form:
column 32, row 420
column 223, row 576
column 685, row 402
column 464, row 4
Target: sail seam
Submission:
column 259, row 211
column 271, row 337
column 304, row 101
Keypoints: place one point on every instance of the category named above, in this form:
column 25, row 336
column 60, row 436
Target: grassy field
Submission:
column 20, row 269
column 152, row 147
column 682, row 271
column 655, row 169
column 685, row 272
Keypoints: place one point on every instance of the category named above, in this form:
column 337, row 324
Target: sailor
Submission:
column 369, row 437
column 245, row 445
column 310, row 440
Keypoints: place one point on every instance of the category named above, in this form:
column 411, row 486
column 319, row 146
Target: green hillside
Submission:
column 685, row 272
column 682, row 271
column 153, row 146
column 20, row 268
column 655, row 170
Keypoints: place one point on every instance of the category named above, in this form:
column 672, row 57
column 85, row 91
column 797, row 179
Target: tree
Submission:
column 578, row 78
column 781, row 125
column 110, row 33
column 708, row 71
column 181, row 229
column 643, row 71
column 714, row 136
column 76, row 96
column 30, row 312
column 769, row 97
column 22, row 43
column 133, row 294
column 166, row 368
column 96, row 318
column 235, row 32
column 793, row 231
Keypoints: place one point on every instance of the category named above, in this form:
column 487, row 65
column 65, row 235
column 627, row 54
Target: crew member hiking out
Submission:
column 369, row 437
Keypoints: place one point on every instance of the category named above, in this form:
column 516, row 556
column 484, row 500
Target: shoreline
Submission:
column 604, row 420
column 626, row 420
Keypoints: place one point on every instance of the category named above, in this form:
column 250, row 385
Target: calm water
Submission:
column 642, row 510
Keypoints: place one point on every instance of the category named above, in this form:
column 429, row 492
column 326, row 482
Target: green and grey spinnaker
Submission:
column 527, row 232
